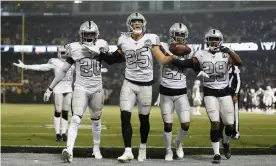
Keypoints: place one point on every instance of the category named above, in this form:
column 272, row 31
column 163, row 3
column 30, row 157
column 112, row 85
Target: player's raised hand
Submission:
column 202, row 73
column 224, row 49
column 93, row 49
column 157, row 103
column 47, row 95
column 19, row 64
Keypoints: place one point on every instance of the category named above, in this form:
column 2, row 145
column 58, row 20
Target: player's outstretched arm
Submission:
column 41, row 67
column 112, row 58
column 61, row 73
column 160, row 56
column 188, row 63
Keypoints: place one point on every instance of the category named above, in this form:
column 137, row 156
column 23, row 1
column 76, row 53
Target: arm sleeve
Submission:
column 115, row 57
column 61, row 73
column 188, row 63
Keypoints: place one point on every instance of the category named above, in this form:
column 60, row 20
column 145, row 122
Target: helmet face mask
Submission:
column 180, row 37
column 136, row 23
column 88, row 32
column 178, row 33
column 213, row 39
column 213, row 42
column 89, row 36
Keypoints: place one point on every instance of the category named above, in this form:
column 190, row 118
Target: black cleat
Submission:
column 216, row 159
column 64, row 137
column 227, row 151
column 58, row 137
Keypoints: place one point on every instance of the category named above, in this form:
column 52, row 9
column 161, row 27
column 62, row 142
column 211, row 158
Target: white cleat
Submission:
column 142, row 154
column 127, row 156
column 169, row 155
column 67, row 156
column 97, row 153
column 178, row 149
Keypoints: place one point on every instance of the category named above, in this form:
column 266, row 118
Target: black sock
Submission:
column 144, row 127
column 126, row 127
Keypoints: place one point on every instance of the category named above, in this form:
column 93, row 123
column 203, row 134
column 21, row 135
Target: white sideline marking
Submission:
column 158, row 147
column 104, row 127
column 135, row 135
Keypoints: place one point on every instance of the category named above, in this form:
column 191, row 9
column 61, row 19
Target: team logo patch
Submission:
column 148, row 43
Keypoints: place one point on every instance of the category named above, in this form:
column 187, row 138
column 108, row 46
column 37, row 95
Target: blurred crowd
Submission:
column 236, row 27
column 258, row 69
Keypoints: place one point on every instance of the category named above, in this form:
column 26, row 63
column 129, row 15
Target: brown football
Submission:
column 180, row 49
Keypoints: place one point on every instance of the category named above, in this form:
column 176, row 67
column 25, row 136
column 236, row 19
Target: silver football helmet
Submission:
column 89, row 32
column 61, row 52
column 213, row 39
column 178, row 33
column 134, row 26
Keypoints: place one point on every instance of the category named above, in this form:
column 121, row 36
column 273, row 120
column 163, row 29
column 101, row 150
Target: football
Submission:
column 180, row 49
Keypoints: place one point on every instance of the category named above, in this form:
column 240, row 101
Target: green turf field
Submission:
column 33, row 125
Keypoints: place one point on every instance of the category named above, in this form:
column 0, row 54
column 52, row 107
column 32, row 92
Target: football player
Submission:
column 173, row 93
column 88, row 90
column 62, row 92
column 218, row 100
column 137, row 49
column 196, row 98
column 268, row 99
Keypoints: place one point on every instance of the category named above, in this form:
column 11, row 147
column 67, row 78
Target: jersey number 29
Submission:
column 217, row 71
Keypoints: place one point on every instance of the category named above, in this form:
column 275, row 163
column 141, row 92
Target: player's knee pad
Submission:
column 185, row 126
column 167, row 127
column 65, row 114
column 76, row 119
column 145, row 101
column 214, row 125
column 215, row 135
column 229, row 130
column 57, row 114
column 125, row 117
column 96, row 115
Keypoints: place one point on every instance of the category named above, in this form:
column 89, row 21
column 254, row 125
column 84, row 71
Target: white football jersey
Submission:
column 268, row 95
column 215, row 65
column 172, row 76
column 138, row 55
column 88, row 70
column 65, row 85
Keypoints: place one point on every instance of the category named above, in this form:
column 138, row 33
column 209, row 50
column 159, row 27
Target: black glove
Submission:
column 224, row 49
column 100, row 57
